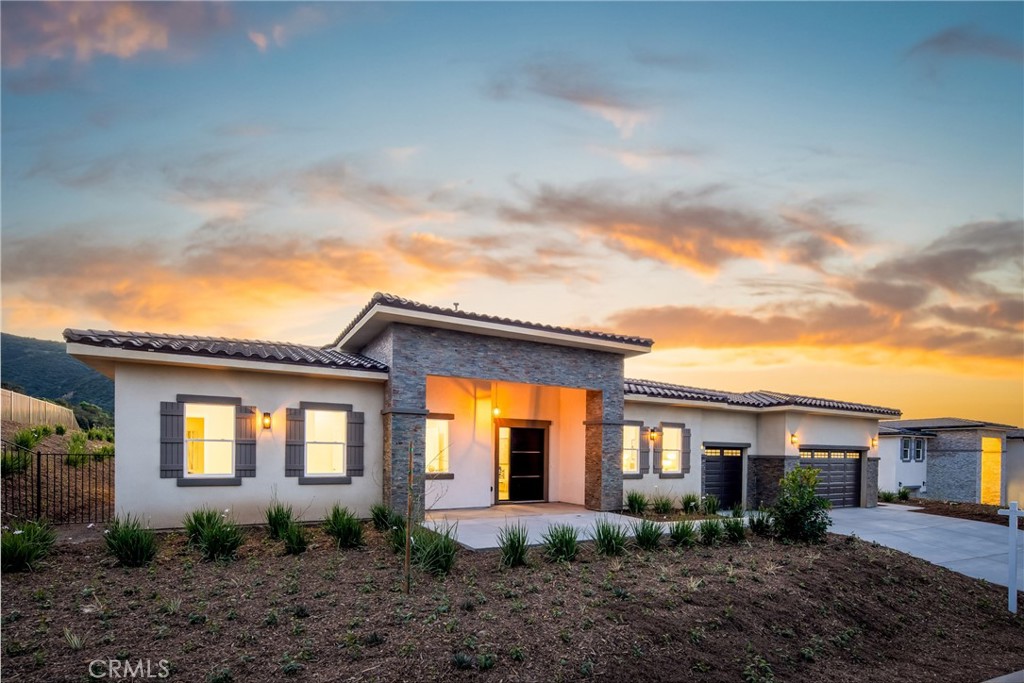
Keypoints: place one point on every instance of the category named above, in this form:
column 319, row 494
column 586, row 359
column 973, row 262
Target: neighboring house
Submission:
column 490, row 410
column 1014, row 467
column 965, row 459
column 903, row 459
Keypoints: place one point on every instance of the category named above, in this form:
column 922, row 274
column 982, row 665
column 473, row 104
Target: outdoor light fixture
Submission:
column 874, row 442
column 266, row 420
column 792, row 438
column 497, row 412
column 653, row 433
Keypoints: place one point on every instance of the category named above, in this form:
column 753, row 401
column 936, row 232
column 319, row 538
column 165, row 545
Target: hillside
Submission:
column 43, row 368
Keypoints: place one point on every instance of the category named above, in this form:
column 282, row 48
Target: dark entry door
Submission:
column 526, row 464
column 839, row 479
column 723, row 475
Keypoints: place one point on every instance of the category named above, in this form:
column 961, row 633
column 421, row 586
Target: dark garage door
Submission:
column 839, row 481
column 723, row 475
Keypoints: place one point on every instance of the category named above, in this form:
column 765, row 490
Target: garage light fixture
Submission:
column 874, row 442
column 266, row 420
column 792, row 438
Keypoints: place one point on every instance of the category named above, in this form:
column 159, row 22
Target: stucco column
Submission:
column 603, row 458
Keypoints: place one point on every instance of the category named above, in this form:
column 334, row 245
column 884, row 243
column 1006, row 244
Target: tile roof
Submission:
column 750, row 399
column 1015, row 434
column 945, row 423
column 394, row 301
column 884, row 430
column 220, row 347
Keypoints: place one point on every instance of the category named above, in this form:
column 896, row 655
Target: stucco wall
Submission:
column 138, row 391
column 1014, row 470
column 893, row 472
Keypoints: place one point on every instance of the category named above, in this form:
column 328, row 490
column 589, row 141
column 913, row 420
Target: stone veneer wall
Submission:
column 871, row 484
column 412, row 353
column 763, row 475
column 954, row 466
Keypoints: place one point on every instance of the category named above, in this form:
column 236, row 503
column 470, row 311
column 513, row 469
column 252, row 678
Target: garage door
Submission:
column 839, row 480
column 723, row 475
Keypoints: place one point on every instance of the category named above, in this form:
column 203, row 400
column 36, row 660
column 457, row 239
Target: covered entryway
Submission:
column 839, row 481
column 723, row 475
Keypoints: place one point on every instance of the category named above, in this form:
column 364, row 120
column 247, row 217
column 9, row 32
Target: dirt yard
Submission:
column 846, row 611
column 975, row 511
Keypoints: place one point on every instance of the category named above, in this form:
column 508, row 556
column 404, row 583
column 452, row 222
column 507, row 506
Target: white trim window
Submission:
column 209, row 440
column 905, row 444
column 919, row 450
column 437, row 447
column 325, row 442
column 631, row 449
column 671, row 450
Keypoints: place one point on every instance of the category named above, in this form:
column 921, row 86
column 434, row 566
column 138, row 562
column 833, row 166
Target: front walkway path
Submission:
column 478, row 527
column 977, row 549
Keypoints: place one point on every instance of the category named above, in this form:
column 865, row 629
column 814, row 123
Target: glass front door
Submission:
column 521, row 464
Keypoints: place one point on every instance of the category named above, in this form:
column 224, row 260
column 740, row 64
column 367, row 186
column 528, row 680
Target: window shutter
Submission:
column 245, row 441
column 656, row 459
column 172, row 440
column 645, row 452
column 686, row 451
column 354, row 445
column 295, row 443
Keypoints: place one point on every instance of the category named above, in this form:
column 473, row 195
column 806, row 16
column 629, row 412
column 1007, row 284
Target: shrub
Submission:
column 127, row 540
column 279, row 518
column 711, row 504
column 14, row 462
column 220, row 540
column 735, row 530
column 887, row 496
column 60, row 430
column 710, row 532
column 44, row 431
column 683, row 534
column 737, row 511
column 609, row 538
column 434, row 550
column 344, row 527
column 661, row 504
column 647, row 534
column 903, row 494
column 561, row 543
column 690, row 503
column 295, row 538
column 24, row 545
column 760, row 522
column 799, row 514
column 513, row 541
column 198, row 520
column 382, row 516
column 636, row 502
column 100, row 434
column 104, row 451
column 26, row 438
column 396, row 535
column 77, row 450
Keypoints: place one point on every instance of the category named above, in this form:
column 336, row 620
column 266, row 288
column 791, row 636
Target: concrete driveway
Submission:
column 977, row 549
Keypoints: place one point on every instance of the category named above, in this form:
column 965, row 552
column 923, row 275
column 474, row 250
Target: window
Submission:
column 919, row 450
column 437, row 446
column 631, row 449
column 671, row 450
column 209, row 440
column 325, row 443
column 905, row 449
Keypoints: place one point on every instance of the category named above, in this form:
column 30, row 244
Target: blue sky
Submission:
column 771, row 190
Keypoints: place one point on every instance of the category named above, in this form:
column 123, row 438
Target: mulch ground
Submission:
column 974, row 511
column 845, row 611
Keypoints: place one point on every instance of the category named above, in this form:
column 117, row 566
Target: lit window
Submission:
column 905, row 449
column 325, row 442
column 919, row 450
column 437, row 446
column 671, row 450
column 209, row 440
column 631, row 449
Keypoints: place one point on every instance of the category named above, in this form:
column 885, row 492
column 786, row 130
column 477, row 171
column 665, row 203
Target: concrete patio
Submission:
column 977, row 549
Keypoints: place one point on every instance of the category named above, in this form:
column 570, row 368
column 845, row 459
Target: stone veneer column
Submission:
column 871, row 485
column 764, row 472
column 401, row 429
column 603, row 470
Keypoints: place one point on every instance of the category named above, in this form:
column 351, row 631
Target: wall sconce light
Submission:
column 266, row 420
column 652, row 434
column 874, row 442
column 497, row 412
column 792, row 438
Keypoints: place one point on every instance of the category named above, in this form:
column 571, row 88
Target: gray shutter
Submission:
column 656, row 459
column 354, row 445
column 245, row 441
column 686, row 451
column 645, row 450
column 172, row 440
column 295, row 443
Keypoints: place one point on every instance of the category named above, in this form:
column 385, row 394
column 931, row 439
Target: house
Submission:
column 1014, row 467
column 489, row 411
column 964, row 460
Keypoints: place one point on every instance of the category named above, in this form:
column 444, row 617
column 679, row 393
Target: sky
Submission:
column 816, row 198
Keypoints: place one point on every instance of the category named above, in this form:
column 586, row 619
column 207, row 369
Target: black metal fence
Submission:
column 62, row 488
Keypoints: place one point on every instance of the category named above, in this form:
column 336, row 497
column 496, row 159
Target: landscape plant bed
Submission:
column 974, row 511
column 674, row 516
column 841, row 611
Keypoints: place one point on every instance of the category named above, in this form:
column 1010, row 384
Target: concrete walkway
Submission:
column 977, row 549
column 478, row 527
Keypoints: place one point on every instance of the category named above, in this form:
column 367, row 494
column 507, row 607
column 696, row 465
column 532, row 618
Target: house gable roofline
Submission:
column 945, row 424
column 385, row 309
